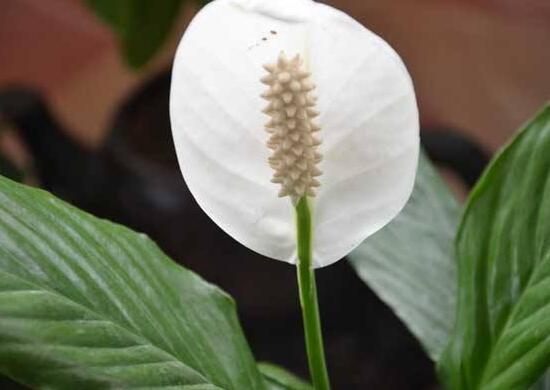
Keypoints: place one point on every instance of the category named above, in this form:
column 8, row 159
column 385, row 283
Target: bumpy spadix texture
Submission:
column 367, row 116
column 291, row 127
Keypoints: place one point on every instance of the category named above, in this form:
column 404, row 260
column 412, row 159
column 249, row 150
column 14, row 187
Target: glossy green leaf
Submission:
column 142, row 26
column 410, row 262
column 502, row 335
column 277, row 378
column 85, row 303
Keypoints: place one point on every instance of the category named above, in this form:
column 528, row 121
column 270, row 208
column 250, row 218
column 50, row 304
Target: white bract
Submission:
column 272, row 100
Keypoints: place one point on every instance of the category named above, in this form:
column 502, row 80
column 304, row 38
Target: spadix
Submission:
column 291, row 128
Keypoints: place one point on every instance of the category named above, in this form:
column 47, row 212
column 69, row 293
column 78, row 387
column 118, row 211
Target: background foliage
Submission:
column 142, row 26
column 410, row 262
column 501, row 336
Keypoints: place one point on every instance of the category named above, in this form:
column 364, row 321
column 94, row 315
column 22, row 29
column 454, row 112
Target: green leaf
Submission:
column 278, row 378
column 85, row 303
column 142, row 26
column 502, row 335
column 410, row 262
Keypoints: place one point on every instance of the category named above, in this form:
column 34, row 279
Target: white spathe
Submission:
column 368, row 119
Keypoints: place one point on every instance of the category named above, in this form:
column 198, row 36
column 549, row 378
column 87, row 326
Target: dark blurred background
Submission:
column 76, row 119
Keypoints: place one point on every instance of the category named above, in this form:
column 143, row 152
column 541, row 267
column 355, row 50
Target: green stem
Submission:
column 308, row 299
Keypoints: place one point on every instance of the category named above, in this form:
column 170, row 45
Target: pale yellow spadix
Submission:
column 291, row 127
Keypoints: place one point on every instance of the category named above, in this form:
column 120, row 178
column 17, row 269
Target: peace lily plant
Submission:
column 296, row 130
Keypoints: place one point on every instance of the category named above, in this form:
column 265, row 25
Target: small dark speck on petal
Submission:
column 273, row 32
column 264, row 39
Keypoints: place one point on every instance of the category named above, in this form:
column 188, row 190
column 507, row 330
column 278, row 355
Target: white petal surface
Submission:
column 368, row 117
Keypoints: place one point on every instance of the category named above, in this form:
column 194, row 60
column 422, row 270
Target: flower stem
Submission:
column 308, row 299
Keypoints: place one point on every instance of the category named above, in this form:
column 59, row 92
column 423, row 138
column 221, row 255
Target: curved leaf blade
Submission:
column 410, row 263
column 278, row 378
column 88, row 303
column 502, row 336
